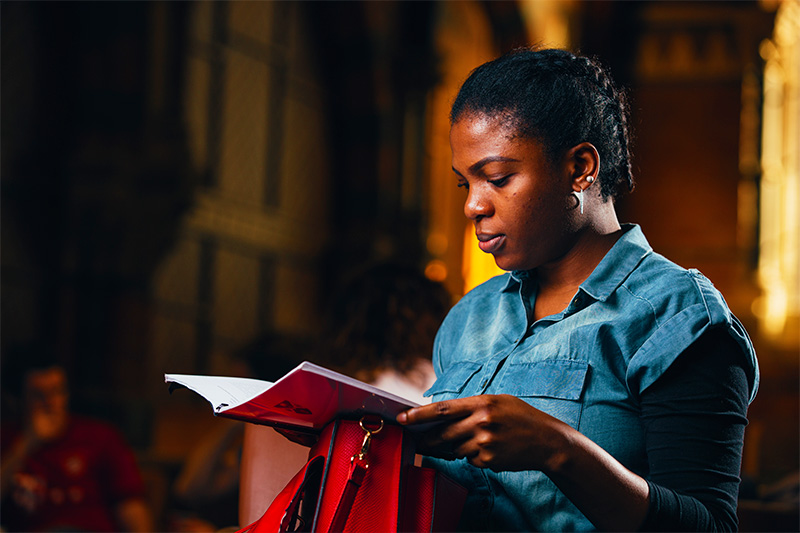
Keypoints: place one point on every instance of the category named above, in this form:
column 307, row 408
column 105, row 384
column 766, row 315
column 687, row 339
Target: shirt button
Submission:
column 484, row 383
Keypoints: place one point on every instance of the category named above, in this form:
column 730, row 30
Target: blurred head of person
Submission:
column 46, row 401
column 35, row 390
column 385, row 317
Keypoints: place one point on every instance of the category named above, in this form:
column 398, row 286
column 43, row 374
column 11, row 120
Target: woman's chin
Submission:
column 507, row 263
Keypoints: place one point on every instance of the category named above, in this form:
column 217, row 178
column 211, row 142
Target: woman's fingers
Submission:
column 454, row 427
column 435, row 412
column 499, row 432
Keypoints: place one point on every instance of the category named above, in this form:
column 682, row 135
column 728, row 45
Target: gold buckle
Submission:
column 367, row 440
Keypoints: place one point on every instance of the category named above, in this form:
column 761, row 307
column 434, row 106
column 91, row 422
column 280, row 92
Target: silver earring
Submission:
column 589, row 179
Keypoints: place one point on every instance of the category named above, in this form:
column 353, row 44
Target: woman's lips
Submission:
column 490, row 243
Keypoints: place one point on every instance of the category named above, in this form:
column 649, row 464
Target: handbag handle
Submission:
column 358, row 470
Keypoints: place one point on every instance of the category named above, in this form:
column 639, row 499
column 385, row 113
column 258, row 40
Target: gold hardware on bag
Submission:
column 367, row 440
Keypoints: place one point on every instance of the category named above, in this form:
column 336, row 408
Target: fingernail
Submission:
column 402, row 418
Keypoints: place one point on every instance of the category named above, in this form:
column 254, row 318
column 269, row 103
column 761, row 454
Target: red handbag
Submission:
column 360, row 477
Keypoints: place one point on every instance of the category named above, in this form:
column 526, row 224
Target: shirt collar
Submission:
column 515, row 278
column 617, row 264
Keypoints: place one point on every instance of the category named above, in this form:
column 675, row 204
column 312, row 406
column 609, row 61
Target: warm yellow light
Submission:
column 548, row 21
column 437, row 243
column 436, row 270
column 779, row 241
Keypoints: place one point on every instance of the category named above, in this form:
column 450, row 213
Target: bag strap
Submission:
column 282, row 512
column 358, row 470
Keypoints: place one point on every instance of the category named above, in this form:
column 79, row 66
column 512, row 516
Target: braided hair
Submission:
column 559, row 99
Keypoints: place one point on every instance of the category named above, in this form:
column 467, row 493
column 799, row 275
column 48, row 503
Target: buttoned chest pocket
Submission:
column 554, row 387
column 453, row 381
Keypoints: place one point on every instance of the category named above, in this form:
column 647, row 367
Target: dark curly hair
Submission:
column 559, row 99
column 384, row 317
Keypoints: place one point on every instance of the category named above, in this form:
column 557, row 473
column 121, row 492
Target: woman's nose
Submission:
column 477, row 205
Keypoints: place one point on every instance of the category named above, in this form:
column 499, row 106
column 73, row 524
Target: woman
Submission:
column 597, row 385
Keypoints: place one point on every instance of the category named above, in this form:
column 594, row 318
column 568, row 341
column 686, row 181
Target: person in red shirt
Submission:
column 63, row 472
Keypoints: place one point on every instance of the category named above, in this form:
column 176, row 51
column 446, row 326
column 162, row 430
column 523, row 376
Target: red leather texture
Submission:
column 380, row 491
column 431, row 501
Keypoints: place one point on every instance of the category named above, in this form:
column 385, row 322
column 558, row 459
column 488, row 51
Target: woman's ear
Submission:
column 583, row 162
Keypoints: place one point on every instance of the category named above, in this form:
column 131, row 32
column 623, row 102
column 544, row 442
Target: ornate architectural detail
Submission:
column 681, row 42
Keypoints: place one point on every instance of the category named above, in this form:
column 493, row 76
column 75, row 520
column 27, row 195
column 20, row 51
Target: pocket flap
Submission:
column 561, row 378
column 454, row 378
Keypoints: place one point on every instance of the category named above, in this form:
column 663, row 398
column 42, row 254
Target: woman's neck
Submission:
column 560, row 279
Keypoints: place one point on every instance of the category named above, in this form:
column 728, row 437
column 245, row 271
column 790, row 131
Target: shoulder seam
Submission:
column 696, row 277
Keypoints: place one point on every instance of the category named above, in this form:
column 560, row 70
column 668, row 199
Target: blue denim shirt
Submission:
column 586, row 366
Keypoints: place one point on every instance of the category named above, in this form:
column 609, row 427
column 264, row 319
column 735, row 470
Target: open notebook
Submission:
column 307, row 398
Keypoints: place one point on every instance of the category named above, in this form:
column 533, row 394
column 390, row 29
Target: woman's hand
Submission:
column 499, row 432
column 504, row 433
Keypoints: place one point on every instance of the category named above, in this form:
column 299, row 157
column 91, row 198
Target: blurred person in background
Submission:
column 379, row 329
column 205, row 494
column 65, row 472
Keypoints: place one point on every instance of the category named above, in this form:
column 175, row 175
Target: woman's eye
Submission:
column 463, row 184
column 499, row 182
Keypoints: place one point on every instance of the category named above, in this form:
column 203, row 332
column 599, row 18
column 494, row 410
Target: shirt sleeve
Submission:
column 681, row 318
column 694, row 418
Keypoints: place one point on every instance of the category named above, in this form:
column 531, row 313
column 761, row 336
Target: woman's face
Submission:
column 521, row 204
